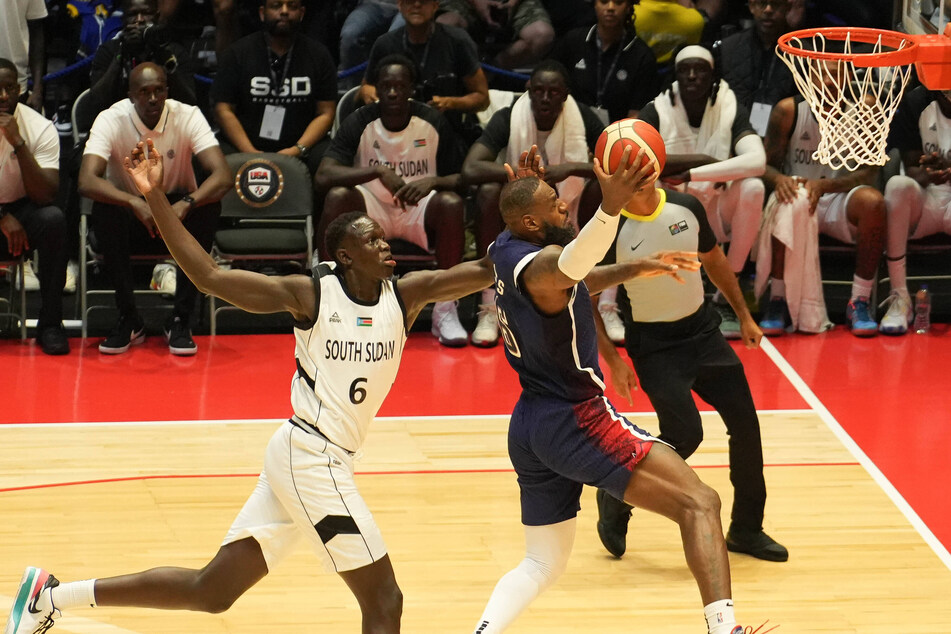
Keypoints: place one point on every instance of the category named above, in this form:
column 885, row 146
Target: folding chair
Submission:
column 270, row 212
column 14, row 269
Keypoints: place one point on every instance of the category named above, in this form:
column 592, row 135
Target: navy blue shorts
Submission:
column 557, row 447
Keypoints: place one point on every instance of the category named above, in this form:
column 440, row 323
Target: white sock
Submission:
column 75, row 594
column 720, row 617
column 896, row 273
column 608, row 296
column 777, row 288
column 861, row 288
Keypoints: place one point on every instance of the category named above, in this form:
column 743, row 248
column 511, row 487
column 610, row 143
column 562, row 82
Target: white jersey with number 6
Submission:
column 347, row 359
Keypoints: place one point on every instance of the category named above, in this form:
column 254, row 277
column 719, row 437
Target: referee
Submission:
column 673, row 339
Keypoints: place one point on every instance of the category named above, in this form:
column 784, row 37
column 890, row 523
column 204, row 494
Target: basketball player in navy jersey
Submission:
column 564, row 432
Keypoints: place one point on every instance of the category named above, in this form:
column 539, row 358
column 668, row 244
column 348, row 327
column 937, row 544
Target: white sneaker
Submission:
column 163, row 279
column 72, row 270
column 899, row 315
column 33, row 611
column 612, row 322
column 30, row 281
column 486, row 333
column 446, row 326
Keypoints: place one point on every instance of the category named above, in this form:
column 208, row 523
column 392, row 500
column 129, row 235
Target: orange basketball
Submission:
column 630, row 132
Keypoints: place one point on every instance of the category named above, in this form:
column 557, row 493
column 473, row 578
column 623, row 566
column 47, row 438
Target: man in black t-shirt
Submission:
column 276, row 89
column 449, row 77
column 141, row 40
column 612, row 70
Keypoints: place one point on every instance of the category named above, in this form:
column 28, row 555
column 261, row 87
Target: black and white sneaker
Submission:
column 129, row 331
column 179, row 337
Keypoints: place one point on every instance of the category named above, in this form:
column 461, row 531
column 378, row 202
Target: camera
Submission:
column 442, row 84
column 155, row 36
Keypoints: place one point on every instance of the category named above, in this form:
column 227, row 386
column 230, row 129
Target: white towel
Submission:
column 798, row 230
column 715, row 136
column 565, row 144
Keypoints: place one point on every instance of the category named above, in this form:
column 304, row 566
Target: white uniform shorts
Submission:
column 408, row 225
column 307, row 489
column 935, row 212
column 831, row 212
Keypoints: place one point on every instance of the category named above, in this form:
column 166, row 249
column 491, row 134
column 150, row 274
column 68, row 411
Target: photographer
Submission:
column 142, row 39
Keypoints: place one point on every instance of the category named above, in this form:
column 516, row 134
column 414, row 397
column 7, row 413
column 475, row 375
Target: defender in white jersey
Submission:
column 351, row 323
column 918, row 202
column 810, row 198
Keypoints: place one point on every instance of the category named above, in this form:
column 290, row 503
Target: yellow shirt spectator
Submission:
column 666, row 25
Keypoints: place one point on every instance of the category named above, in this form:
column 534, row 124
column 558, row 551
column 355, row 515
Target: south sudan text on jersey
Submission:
column 359, row 351
column 419, row 167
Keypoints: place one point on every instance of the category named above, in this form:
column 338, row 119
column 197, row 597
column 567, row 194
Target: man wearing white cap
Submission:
column 714, row 154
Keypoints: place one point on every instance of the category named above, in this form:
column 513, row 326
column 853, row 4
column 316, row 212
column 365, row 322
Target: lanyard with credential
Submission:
column 603, row 86
column 276, row 87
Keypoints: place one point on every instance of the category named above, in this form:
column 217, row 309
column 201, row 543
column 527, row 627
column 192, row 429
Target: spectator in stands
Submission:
column 565, row 131
column 368, row 21
column 121, row 219
column 568, row 15
column 715, row 155
column 276, row 89
column 809, row 198
column 23, row 42
column 919, row 202
column 29, row 181
column 612, row 69
column 666, row 25
column 142, row 39
column 521, row 27
column 398, row 161
column 449, row 77
column 749, row 63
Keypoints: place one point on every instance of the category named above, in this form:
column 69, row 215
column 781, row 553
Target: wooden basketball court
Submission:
column 120, row 495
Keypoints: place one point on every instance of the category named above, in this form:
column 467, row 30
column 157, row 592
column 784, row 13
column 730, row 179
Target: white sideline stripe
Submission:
column 79, row 624
column 260, row 421
column 793, row 377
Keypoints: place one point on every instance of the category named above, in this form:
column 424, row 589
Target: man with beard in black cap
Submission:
column 275, row 90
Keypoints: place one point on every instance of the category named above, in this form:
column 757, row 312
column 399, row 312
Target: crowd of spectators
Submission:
column 443, row 92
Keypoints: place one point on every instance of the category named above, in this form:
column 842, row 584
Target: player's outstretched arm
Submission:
column 670, row 263
column 422, row 287
column 252, row 292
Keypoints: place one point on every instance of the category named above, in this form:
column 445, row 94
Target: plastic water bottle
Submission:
column 922, row 310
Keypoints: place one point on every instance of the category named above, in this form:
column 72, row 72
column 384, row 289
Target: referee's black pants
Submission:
column 674, row 358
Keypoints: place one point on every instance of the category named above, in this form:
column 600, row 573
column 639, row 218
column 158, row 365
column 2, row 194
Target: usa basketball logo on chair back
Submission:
column 259, row 182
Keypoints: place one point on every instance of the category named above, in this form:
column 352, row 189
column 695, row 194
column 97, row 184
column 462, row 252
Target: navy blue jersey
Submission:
column 553, row 356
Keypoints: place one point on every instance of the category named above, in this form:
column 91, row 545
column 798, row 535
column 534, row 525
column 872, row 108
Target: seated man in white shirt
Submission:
column 121, row 219
column 714, row 154
column 29, row 180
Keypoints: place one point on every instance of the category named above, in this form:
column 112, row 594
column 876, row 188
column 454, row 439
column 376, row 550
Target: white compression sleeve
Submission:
column 750, row 160
column 589, row 246
column 546, row 556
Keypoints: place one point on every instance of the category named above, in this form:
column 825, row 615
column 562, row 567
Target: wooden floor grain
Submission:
column 447, row 502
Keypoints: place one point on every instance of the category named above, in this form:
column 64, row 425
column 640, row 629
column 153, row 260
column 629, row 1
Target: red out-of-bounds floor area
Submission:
column 891, row 395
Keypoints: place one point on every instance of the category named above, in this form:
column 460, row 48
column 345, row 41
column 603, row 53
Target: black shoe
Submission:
column 179, row 337
column 52, row 340
column 613, row 517
column 759, row 545
column 129, row 331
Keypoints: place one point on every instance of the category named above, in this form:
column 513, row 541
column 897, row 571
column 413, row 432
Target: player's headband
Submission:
column 694, row 52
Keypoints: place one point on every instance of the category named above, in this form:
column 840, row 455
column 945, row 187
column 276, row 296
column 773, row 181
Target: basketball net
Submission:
column 853, row 103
